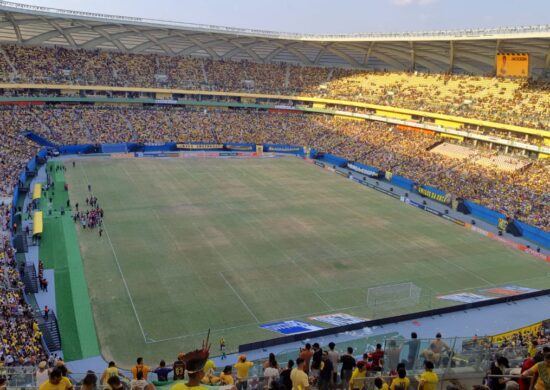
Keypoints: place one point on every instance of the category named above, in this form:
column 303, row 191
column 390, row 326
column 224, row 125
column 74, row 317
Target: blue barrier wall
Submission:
column 23, row 176
column 333, row 160
column 157, row 148
column 42, row 153
column 31, row 165
column 313, row 153
column 402, row 182
column 484, row 213
column 76, row 149
column 534, row 234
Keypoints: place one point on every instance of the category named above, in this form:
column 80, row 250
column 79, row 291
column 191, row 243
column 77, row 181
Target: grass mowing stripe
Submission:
column 116, row 261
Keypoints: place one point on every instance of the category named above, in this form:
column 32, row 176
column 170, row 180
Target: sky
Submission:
column 324, row 16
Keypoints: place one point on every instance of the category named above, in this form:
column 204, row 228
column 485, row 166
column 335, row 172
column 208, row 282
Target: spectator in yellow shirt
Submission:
column 299, row 378
column 56, row 381
column 357, row 377
column 380, row 384
column 226, row 377
column 242, row 367
column 401, row 382
column 429, row 379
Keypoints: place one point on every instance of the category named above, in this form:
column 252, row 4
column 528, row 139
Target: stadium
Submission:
column 167, row 183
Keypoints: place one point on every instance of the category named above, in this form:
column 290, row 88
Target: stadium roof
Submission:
column 472, row 51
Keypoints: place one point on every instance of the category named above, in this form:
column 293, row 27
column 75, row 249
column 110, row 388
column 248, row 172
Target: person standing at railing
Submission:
column 57, row 381
column 333, row 356
column 298, row 376
column 285, row 375
column 348, row 363
column 357, row 380
column 242, row 367
column 41, row 375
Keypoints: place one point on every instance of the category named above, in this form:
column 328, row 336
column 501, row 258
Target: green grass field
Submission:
column 192, row 244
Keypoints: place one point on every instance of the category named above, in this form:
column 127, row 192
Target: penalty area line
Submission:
column 240, row 299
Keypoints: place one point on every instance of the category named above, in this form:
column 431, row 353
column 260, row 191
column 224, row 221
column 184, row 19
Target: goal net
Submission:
column 394, row 295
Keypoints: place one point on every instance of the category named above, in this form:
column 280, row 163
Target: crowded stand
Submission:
column 521, row 191
column 519, row 102
column 521, row 194
column 510, row 362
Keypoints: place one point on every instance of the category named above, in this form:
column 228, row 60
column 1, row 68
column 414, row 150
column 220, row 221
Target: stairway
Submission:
column 30, row 279
column 50, row 331
column 204, row 72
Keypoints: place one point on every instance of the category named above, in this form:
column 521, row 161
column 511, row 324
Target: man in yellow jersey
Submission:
column 429, row 379
column 401, row 382
column 56, row 381
column 299, row 378
column 111, row 370
column 541, row 370
column 194, row 364
column 242, row 367
column 380, row 384
column 357, row 380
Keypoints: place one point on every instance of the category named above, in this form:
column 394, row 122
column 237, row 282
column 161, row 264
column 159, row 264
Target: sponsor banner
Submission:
column 165, row 101
column 363, row 170
column 319, row 163
column 242, row 148
column 205, row 146
column 455, row 220
column 338, row 319
column 429, row 193
column 290, row 327
column 525, row 331
column 510, row 290
column 464, row 297
column 122, row 155
column 512, row 64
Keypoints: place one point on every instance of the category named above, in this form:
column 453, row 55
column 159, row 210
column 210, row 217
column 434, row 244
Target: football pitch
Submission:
column 231, row 244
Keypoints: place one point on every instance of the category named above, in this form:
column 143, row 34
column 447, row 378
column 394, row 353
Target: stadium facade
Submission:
column 464, row 51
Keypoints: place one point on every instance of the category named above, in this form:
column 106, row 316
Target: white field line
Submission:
column 118, row 266
column 240, row 299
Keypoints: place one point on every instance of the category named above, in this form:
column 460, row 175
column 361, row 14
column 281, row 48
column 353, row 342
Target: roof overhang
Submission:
column 472, row 51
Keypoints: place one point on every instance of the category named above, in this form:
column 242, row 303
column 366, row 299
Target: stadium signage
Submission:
column 432, row 195
column 290, row 327
column 198, row 146
column 284, row 149
column 364, row 171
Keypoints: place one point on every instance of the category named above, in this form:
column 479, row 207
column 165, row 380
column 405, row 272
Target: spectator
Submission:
column 298, row 376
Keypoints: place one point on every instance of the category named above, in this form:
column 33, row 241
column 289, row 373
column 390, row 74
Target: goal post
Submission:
column 394, row 295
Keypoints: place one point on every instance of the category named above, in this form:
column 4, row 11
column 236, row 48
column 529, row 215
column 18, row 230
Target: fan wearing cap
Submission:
column 242, row 367
column 194, row 364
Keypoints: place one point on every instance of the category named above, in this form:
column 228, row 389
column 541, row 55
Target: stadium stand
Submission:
column 519, row 102
column 515, row 186
column 521, row 193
